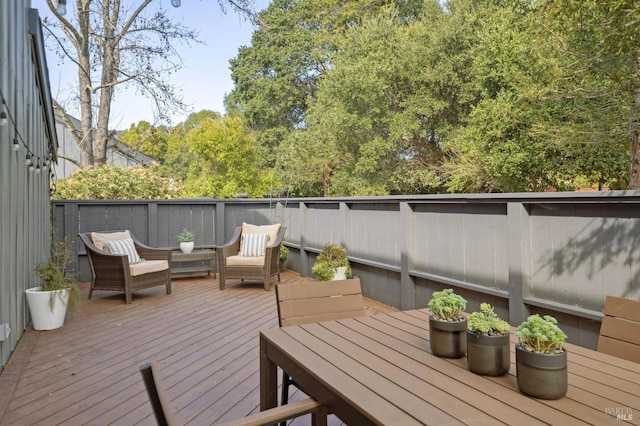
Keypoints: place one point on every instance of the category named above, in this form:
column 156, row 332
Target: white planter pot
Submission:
column 42, row 316
column 340, row 274
column 186, row 247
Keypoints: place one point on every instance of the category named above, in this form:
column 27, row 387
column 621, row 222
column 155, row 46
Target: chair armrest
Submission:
column 276, row 415
column 232, row 247
column 151, row 253
column 103, row 261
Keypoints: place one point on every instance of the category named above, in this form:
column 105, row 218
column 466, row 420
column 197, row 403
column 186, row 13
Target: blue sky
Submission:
column 205, row 77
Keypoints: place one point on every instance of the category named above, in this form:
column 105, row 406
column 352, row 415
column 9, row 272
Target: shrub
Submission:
column 113, row 183
column 332, row 256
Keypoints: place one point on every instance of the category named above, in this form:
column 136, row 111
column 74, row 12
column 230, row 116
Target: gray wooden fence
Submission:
column 556, row 253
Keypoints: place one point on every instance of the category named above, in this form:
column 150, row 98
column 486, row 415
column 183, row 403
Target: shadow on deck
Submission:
column 204, row 340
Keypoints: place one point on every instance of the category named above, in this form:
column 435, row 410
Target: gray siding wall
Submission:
column 25, row 222
column 556, row 253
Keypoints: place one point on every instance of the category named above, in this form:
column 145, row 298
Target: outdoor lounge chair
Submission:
column 121, row 269
column 164, row 413
column 309, row 302
column 246, row 259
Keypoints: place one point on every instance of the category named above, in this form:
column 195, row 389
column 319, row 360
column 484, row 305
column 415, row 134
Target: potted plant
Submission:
column 332, row 263
column 283, row 254
column 487, row 342
column 541, row 359
column 59, row 290
column 447, row 324
column 186, row 239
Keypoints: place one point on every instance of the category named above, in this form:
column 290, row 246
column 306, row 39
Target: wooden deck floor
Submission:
column 204, row 340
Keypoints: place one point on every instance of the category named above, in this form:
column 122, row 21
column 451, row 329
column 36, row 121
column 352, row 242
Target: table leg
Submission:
column 268, row 378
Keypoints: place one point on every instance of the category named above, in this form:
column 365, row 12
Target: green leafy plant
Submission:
column 186, row 236
column 446, row 305
column 332, row 257
column 284, row 253
column 541, row 334
column 55, row 276
column 487, row 322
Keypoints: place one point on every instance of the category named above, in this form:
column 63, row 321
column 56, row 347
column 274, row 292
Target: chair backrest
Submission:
column 303, row 303
column 620, row 328
column 157, row 395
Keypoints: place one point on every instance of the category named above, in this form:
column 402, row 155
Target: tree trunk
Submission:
column 84, row 80
column 110, row 65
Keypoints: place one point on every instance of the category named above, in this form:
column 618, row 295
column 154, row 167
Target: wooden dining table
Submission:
column 379, row 369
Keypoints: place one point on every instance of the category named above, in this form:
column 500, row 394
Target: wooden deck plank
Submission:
column 204, row 339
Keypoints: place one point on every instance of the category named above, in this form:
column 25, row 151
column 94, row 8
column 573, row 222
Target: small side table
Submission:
column 185, row 263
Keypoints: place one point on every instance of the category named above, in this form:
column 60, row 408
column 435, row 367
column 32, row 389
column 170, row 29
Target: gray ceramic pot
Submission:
column 448, row 339
column 488, row 355
column 540, row 375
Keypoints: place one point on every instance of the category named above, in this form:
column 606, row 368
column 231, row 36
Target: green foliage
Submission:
column 446, row 305
column 186, row 236
column 229, row 164
column 541, row 334
column 55, row 276
column 487, row 322
column 332, row 256
column 383, row 97
column 146, row 138
column 284, row 253
column 112, row 182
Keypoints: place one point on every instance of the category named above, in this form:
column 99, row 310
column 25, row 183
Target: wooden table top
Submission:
column 379, row 370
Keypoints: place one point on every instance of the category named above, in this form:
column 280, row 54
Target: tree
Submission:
column 277, row 77
column 600, row 52
column 370, row 137
column 147, row 139
column 228, row 161
column 114, row 43
column 540, row 120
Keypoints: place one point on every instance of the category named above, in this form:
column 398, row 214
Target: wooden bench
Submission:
column 620, row 329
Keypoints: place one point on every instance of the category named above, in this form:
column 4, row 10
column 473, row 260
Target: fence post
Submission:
column 220, row 237
column 304, row 258
column 407, row 283
column 518, row 239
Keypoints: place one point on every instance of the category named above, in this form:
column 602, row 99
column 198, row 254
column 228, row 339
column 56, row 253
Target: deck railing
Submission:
column 557, row 253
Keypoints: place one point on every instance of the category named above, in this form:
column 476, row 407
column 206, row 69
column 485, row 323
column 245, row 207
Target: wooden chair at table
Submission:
column 164, row 413
column 157, row 395
column 620, row 328
column 309, row 302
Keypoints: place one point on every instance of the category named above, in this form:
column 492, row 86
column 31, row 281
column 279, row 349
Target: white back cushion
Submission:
column 272, row 230
column 125, row 246
column 99, row 238
column 253, row 244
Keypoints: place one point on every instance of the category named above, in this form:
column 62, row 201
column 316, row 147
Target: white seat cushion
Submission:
column 245, row 260
column 148, row 266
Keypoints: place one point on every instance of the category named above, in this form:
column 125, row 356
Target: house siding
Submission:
column 25, row 214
